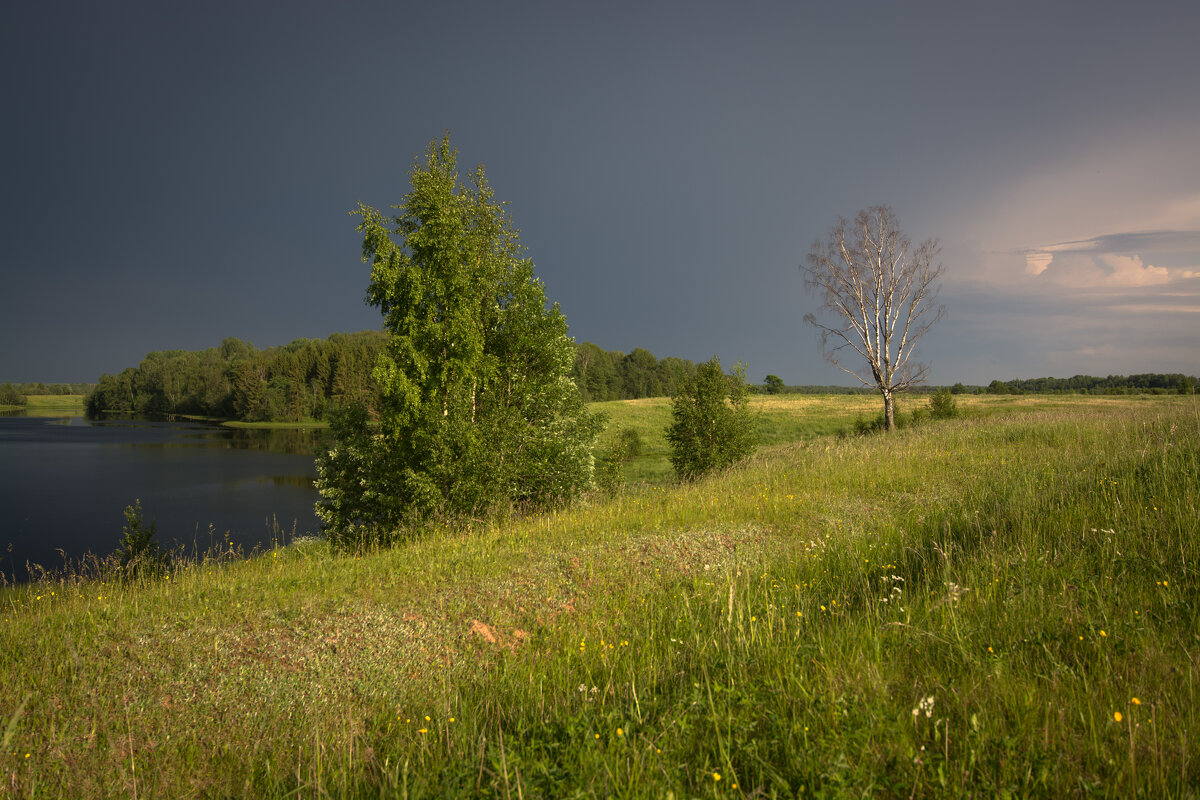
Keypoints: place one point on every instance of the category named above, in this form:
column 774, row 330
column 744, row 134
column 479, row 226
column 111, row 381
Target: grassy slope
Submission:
column 772, row 630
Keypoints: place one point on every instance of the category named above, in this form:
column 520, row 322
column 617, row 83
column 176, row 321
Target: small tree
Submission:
column 711, row 426
column 879, row 290
column 139, row 552
column 477, row 410
column 773, row 384
column 9, row 396
column 942, row 404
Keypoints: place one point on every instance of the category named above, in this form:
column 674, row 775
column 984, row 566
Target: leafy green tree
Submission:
column 594, row 372
column 477, row 411
column 249, row 392
column 639, row 375
column 711, row 427
column 9, row 396
column 773, row 384
column 942, row 404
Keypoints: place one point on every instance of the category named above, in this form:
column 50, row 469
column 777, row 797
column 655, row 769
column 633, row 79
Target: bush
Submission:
column 942, row 404
column 9, row 396
column 139, row 552
column 632, row 442
column 711, row 427
column 611, row 461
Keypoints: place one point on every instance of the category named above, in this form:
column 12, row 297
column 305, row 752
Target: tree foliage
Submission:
column 613, row 375
column 942, row 404
column 711, row 427
column 304, row 379
column 477, row 411
column 879, row 291
column 139, row 551
column 1144, row 383
column 10, row 395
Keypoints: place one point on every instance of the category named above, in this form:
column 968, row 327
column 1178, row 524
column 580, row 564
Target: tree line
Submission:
column 1148, row 383
column 304, row 379
column 612, row 375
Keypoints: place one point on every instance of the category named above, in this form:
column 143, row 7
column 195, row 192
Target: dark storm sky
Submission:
column 175, row 173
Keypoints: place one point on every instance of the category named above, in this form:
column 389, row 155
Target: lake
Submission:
column 65, row 482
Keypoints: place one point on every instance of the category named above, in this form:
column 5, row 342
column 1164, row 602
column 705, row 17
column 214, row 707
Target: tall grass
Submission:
column 1004, row 605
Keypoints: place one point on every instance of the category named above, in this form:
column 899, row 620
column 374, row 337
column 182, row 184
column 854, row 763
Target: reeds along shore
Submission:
column 1004, row 603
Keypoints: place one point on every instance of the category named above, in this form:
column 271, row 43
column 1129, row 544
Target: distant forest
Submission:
column 301, row 380
column 307, row 378
column 1148, row 383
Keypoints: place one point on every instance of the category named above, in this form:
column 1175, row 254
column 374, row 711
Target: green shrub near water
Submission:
column 1005, row 605
column 139, row 552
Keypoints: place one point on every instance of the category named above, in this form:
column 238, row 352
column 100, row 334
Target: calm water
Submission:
column 64, row 483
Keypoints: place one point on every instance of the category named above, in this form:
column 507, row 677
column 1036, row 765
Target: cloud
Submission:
column 1130, row 271
column 1037, row 261
column 1115, row 260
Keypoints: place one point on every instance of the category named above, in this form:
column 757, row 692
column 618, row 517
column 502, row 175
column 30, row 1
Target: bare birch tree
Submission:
column 880, row 292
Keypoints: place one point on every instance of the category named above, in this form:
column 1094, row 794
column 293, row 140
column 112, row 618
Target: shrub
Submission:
column 611, row 461
column 139, row 552
column 9, row 396
column 942, row 404
column 711, row 427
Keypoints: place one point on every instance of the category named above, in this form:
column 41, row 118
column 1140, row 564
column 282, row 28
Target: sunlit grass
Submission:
column 47, row 405
column 963, row 608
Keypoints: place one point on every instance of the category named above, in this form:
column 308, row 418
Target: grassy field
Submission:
column 1001, row 605
column 49, row 405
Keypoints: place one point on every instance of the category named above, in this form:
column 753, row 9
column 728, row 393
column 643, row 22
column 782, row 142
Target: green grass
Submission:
column 307, row 423
column 1032, row 569
column 45, row 405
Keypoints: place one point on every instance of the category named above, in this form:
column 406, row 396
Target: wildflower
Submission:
column 1117, row 716
column 1102, row 633
column 1135, row 701
column 597, row 736
column 620, row 732
column 925, row 705
column 423, row 730
column 452, row 719
column 716, row 776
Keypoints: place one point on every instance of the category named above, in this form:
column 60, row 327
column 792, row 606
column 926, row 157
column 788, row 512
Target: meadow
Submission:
column 1003, row 604
column 49, row 405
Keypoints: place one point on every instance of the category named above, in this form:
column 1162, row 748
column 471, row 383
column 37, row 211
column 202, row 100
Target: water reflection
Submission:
column 64, row 483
